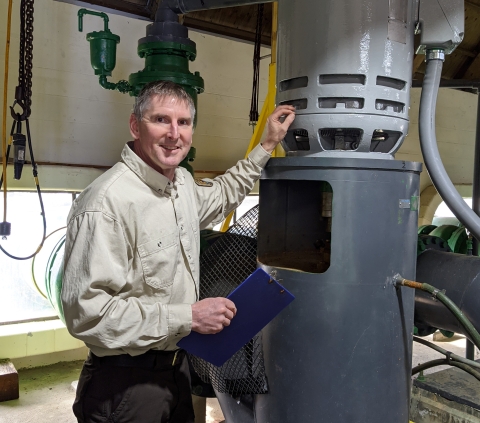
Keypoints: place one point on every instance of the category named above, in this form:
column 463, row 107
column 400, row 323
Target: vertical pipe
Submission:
column 470, row 352
column 476, row 174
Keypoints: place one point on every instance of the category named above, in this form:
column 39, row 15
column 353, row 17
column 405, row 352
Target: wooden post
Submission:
column 9, row 389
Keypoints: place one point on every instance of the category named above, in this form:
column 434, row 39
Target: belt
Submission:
column 149, row 360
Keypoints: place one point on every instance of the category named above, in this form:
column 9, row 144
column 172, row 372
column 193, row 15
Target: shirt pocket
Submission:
column 159, row 260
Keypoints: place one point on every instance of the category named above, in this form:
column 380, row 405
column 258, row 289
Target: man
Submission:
column 131, row 266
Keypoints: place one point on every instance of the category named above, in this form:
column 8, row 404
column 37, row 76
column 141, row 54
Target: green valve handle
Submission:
column 83, row 12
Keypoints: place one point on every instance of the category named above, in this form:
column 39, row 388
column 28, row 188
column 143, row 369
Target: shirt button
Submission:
column 181, row 228
column 159, row 244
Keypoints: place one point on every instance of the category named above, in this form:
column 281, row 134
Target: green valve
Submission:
column 167, row 51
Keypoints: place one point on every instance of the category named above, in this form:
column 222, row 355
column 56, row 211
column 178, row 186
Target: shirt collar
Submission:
column 147, row 174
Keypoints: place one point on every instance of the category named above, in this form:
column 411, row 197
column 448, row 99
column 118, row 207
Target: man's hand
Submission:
column 211, row 315
column 277, row 125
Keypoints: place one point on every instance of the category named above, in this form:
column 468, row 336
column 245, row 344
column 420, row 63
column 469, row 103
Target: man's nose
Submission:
column 174, row 130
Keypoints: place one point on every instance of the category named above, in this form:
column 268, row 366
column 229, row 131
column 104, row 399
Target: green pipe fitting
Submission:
column 83, row 12
column 122, row 85
column 167, row 61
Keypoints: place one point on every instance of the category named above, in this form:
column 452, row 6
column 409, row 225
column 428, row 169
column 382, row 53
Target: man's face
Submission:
column 162, row 138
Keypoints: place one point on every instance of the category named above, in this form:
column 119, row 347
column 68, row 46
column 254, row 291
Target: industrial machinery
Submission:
column 338, row 215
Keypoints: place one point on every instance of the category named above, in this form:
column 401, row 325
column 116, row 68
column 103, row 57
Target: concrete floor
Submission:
column 46, row 393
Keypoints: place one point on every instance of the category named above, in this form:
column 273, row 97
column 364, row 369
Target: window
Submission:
column 19, row 299
column 249, row 202
column 444, row 216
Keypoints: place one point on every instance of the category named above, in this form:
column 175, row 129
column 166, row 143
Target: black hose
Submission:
column 447, row 362
column 452, row 356
column 471, row 331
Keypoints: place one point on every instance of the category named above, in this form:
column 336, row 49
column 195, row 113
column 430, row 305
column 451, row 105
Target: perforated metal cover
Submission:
column 227, row 263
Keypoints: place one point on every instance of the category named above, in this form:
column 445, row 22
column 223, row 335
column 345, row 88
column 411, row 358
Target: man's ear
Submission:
column 134, row 129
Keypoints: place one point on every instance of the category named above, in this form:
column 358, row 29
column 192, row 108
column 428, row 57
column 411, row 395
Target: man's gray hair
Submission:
column 162, row 89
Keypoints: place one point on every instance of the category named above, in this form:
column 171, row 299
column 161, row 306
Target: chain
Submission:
column 28, row 54
column 21, row 57
column 24, row 88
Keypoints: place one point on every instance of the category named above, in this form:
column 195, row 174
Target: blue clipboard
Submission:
column 258, row 299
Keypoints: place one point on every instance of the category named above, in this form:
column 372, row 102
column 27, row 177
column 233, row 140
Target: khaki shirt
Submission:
column 131, row 264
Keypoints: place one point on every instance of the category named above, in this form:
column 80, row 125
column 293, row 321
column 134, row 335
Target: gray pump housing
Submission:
column 346, row 66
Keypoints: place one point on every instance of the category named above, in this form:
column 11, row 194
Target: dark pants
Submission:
column 150, row 388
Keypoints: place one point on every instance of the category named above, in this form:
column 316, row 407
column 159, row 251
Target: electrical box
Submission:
column 441, row 25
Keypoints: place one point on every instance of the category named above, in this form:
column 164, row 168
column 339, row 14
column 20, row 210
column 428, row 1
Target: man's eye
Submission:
column 184, row 122
column 161, row 119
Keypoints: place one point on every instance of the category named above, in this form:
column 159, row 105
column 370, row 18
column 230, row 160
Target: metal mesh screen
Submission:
column 223, row 266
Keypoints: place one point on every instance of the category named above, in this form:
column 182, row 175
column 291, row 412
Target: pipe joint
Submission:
column 398, row 280
column 435, row 54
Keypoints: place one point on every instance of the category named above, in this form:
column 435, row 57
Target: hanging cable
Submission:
column 23, row 98
column 256, row 67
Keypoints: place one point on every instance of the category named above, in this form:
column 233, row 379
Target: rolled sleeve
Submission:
column 179, row 318
column 226, row 192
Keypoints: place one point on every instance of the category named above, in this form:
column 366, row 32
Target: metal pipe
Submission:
column 433, row 161
column 470, row 350
column 452, row 83
column 476, row 175
column 186, row 6
column 470, row 347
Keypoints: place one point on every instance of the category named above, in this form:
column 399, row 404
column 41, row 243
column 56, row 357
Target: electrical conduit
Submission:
column 428, row 143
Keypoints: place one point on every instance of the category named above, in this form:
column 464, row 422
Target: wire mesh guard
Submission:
column 223, row 266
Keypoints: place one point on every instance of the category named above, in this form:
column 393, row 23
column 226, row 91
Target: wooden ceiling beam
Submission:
column 417, row 62
column 223, row 30
column 144, row 8
column 465, row 52
column 473, row 70
column 474, row 3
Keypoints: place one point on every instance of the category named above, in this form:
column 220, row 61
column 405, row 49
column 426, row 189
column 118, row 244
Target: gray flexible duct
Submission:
column 431, row 155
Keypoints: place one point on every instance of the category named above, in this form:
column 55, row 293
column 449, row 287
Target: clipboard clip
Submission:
column 273, row 278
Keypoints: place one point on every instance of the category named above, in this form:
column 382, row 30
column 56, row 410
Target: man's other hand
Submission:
column 277, row 126
column 211, row 315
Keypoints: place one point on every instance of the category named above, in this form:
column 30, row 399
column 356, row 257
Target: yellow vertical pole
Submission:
column 4, row 127
column 272, row 77
column 268, row 105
